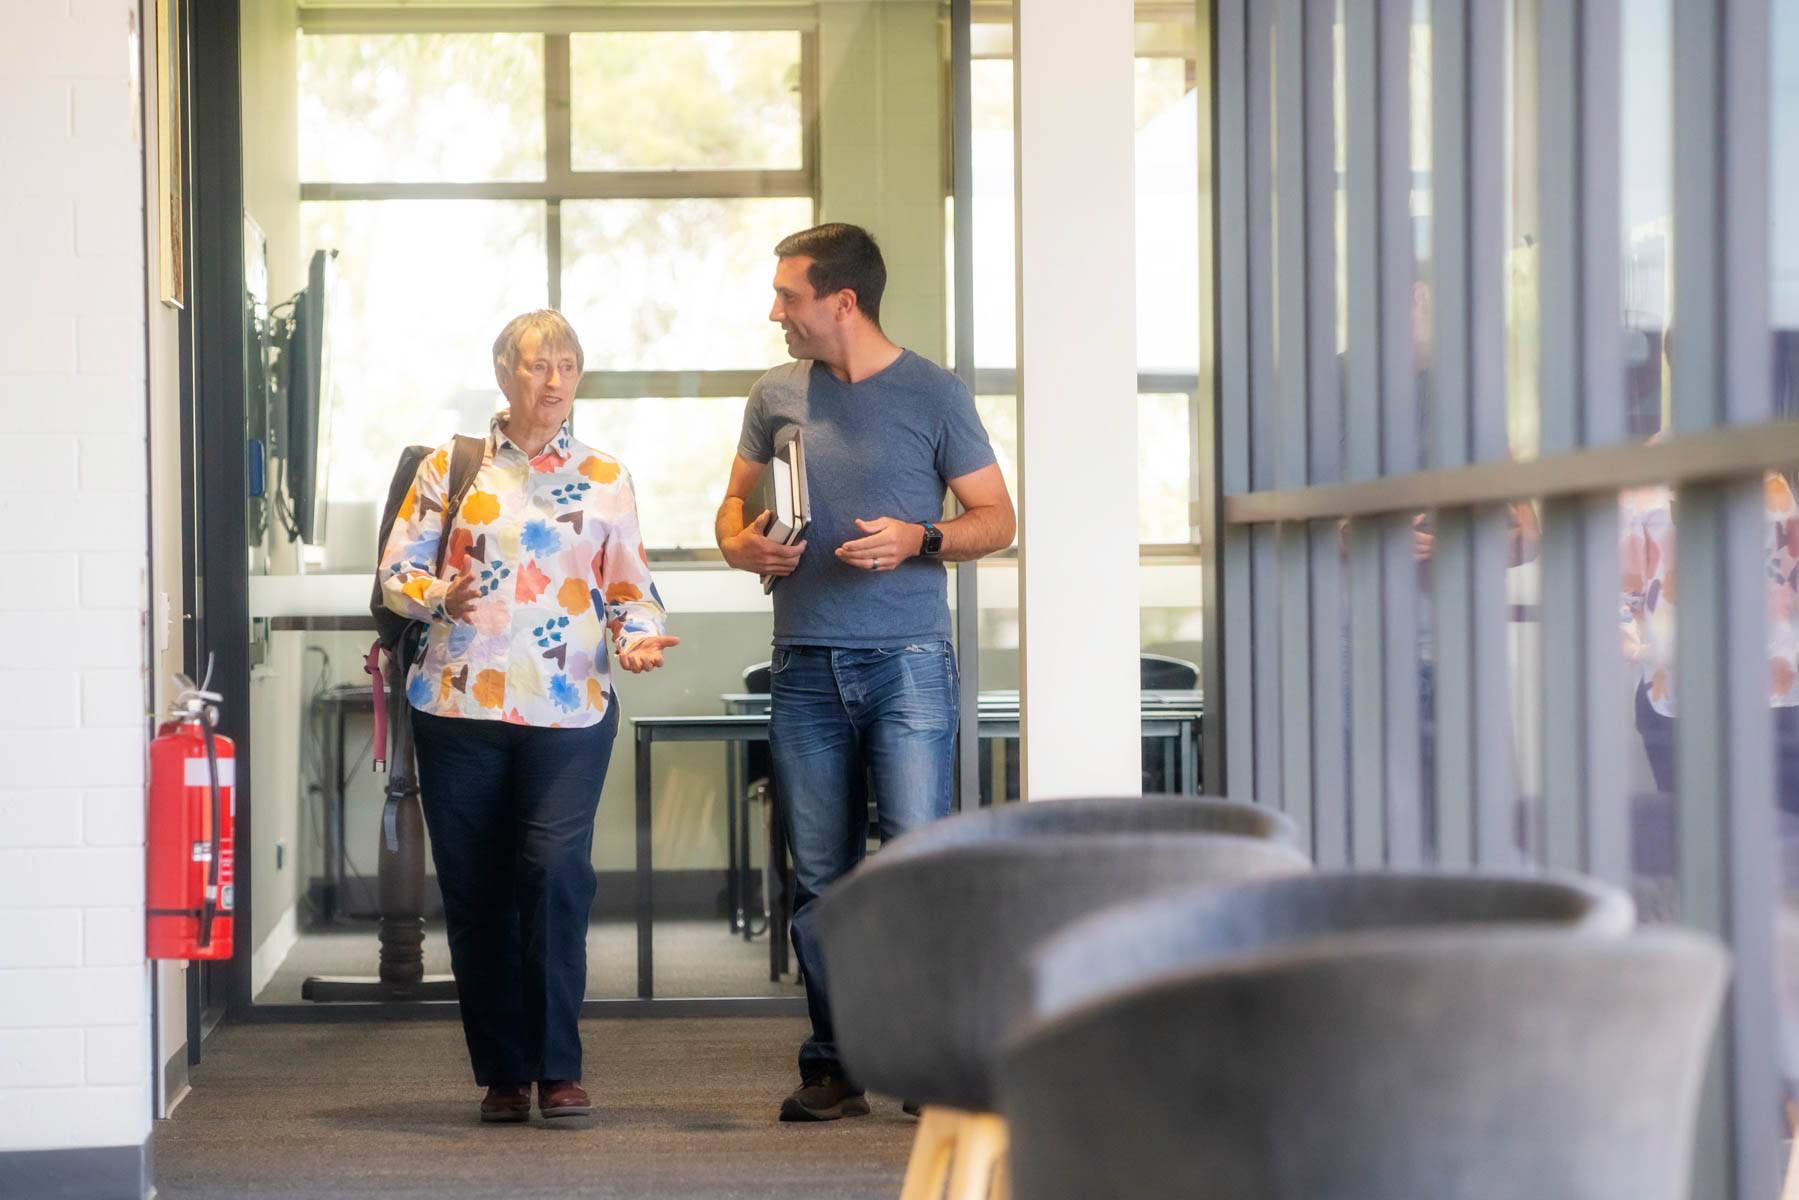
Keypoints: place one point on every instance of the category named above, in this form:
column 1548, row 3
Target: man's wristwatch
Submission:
column 932, row 545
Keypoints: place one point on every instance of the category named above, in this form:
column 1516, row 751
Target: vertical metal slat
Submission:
column 1292, row 467
column 1451, row 565
column 1238, row 768
column 1329, row 715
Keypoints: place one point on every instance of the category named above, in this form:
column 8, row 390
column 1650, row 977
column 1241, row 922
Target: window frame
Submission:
column 561, row 182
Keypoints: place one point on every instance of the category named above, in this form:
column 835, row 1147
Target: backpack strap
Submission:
column 465, row 464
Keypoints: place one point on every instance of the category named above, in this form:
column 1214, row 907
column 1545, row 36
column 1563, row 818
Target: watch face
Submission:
column 933, row 539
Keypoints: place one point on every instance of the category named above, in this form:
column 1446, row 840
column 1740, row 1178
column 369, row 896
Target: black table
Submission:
column 1162, row 719
column 339, row 702
column 1179, row 773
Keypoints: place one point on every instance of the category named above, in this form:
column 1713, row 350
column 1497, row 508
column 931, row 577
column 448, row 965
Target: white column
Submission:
column 1077, row 412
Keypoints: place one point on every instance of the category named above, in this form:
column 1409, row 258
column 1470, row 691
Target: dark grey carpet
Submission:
column 683, row 1108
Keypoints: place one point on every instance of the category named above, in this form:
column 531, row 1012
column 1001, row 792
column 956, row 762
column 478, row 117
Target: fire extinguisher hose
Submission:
column 211, row 908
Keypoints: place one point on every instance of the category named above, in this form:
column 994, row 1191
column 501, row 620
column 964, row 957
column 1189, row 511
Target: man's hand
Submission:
column 460, row 601
column 889, row 543
column 645, row 654
column 750, row 550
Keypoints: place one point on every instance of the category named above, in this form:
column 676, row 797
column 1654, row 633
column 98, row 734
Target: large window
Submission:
column 636, row 180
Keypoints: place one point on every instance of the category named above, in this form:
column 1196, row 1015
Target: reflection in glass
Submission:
column 421, row 107
column 1523, row 231
column 685, row 100
column 1646, row 179
column 1424, row 529
column 1783, row 258
column 1340, row 168
column 1783, row 185
column 1421, row 206
column 1647, row 618
column 676, row 284
column 1524, row 648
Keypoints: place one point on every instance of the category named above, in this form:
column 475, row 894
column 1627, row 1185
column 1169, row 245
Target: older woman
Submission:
column 513, row 709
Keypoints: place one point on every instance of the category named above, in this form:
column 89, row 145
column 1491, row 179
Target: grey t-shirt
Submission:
column 884, row 447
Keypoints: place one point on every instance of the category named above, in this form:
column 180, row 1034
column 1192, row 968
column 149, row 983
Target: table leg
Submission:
column 733, row 889
column 335, row 820
column 1190, row 759
column 645, row 900
column 748, row 869
column 779, row 891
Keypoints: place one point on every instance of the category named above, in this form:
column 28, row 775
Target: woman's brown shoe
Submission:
column 507, row 1103
column 562, row 1098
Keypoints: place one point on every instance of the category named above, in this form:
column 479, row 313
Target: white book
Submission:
column 793, row 507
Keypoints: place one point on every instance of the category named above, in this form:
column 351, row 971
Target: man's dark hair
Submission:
column 843, row 256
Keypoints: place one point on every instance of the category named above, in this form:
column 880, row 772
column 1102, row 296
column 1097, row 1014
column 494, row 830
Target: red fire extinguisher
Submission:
column 189, row 882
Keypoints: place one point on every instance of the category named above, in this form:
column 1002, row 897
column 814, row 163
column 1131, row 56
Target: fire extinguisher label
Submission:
column 202, row 852
column 194, row 773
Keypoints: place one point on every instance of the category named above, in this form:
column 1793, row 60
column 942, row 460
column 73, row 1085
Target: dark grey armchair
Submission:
column 1191, row 927
column 1129, row 814
column 1377, row 1036
column 926, row 947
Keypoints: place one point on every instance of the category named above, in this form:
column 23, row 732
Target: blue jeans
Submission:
column 847, row 724
column 510, row 812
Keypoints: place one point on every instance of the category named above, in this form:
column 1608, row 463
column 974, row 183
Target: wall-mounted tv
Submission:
column 307, row 445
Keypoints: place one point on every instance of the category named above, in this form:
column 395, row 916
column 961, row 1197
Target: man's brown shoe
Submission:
column 507, row 1103
column 562, row 1098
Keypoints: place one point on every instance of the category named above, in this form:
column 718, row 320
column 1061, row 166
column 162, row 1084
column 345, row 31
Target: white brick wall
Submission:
column 74, row 997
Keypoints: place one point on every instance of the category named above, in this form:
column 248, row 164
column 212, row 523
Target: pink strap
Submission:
column 372, row 664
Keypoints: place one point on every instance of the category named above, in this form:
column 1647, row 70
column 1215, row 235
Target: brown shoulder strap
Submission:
column 465, row 464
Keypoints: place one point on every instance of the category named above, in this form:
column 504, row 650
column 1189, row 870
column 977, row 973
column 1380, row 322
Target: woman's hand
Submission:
column 645, row 654
column 460, row 600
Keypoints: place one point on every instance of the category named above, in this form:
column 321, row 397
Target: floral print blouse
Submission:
column 555, row 544
column 1647, row 608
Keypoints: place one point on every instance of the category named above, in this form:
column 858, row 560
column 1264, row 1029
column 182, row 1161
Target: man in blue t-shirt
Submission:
column 864, row 682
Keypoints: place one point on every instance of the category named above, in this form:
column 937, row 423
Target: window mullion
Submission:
column 557, row 164
column 557, row 103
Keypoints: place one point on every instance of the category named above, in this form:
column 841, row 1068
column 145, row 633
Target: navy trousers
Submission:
column 510, row 810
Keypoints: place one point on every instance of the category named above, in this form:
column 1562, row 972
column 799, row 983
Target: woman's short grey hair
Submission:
column 552, row 329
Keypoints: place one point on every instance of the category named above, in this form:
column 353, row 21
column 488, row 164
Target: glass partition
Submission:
column 636, row 179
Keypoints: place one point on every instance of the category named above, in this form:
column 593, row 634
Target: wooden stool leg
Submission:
column 1002, row 1173
column 1790, row 1189
column 933, row 1148
column 980, row 1155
